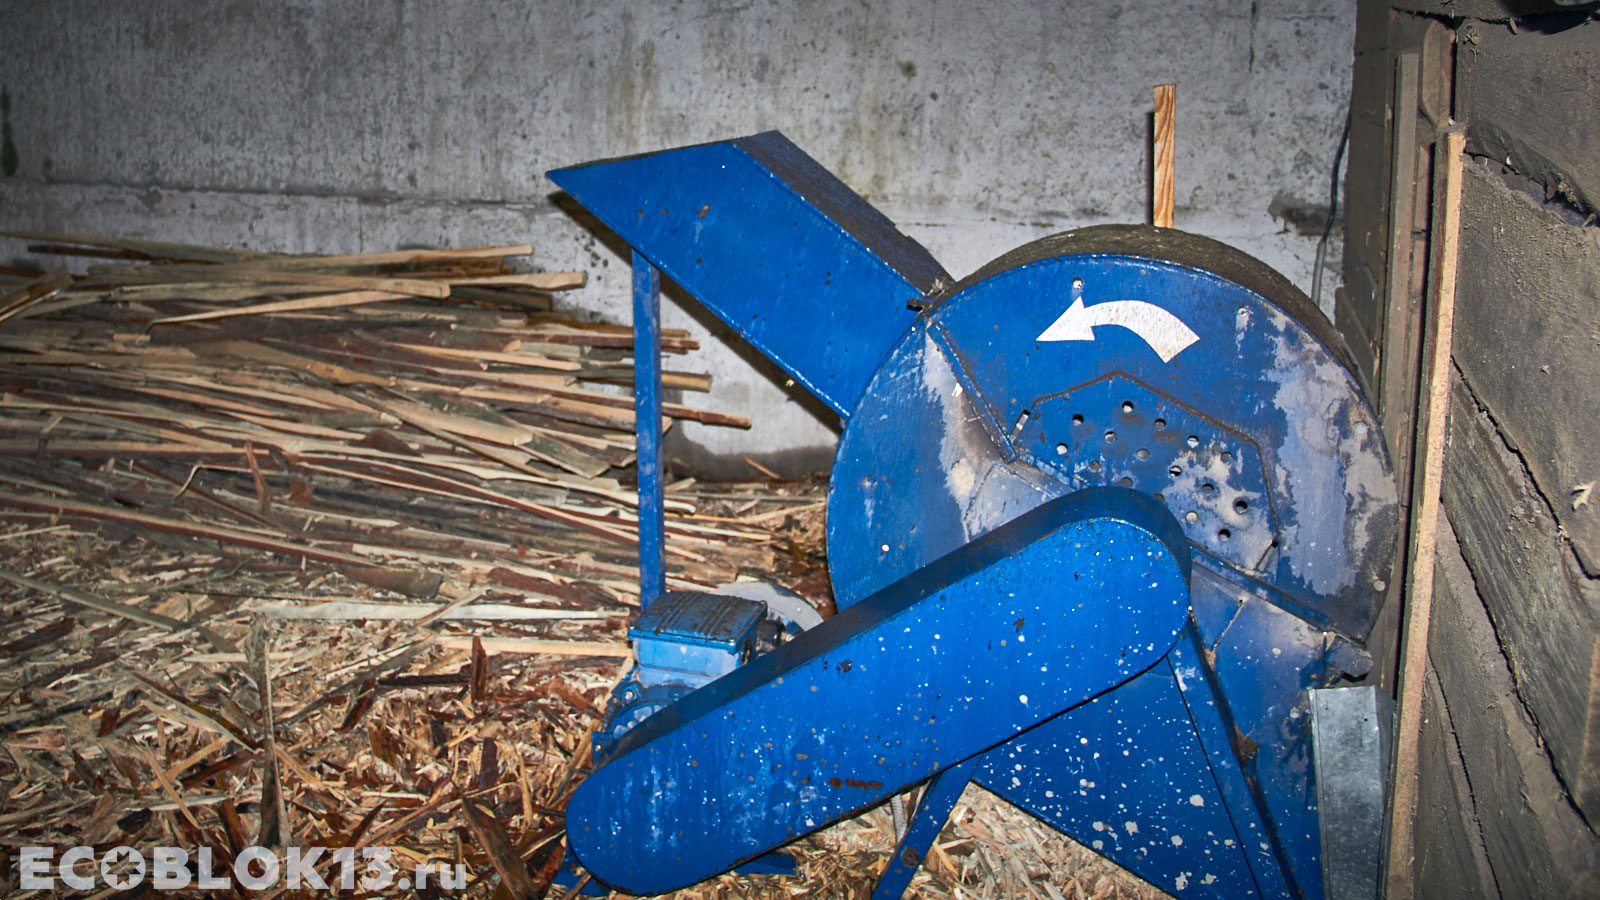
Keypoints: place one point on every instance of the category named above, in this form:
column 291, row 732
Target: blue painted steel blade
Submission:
column 647, row 428
column 1043, row 613
column 1126, row 776
column 940, row 796
column 775, row 245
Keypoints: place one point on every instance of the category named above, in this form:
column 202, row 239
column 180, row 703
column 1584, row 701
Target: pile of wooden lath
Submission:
column 377, row 496
column 378, row 429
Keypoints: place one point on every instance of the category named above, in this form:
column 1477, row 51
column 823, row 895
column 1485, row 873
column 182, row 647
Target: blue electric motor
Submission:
column 1104, row 515
column 686, row 639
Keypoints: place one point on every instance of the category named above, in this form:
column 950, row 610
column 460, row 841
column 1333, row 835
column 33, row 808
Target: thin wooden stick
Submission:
column 1166, row 136
column 322, row 301
column 159, row 249
column 352, row 610
column 397, row 257
column 1428, row 470
column 533, row 645
column 543, row 281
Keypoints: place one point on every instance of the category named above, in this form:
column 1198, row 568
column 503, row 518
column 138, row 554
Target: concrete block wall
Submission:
column 1509, row 766
column 354, row 126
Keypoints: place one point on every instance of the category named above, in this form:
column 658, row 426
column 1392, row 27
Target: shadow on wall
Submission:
column 8, row 149
column 684, row 457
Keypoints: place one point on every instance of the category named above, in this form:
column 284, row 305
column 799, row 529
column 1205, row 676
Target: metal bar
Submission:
column 937, row 800
column 647, row 428
column 1352, row 727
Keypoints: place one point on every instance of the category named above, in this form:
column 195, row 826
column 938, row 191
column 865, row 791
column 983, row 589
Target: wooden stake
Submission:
column 1433, row 405
column 1166, row 132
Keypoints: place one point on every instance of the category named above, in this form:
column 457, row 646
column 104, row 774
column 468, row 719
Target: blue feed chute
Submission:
column 793, row 260
column 1103, row 401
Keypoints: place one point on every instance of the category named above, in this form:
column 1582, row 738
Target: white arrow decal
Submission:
column 1164, row 332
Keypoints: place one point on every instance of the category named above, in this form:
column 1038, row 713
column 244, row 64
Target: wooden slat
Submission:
column 1433, row 410
column 543, row 281
column 398, row 257
column 1396, row 359
column 156, row 249
column 324, row 301
column 618, row 649
column 117, row 275
column 1164, row 155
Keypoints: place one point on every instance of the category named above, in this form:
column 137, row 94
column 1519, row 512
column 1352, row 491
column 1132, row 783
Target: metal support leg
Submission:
column 943, row 790
column 647, row 427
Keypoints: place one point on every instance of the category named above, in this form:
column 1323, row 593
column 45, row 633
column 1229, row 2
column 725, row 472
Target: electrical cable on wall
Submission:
column 1333, row 211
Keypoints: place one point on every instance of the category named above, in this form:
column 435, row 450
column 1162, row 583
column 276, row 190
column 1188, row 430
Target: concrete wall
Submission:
column 368, row 125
